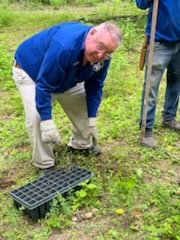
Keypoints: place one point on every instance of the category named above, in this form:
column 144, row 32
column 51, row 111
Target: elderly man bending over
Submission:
column 68, row 63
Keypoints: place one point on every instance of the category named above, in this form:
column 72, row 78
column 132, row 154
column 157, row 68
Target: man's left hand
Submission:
column 92, row 130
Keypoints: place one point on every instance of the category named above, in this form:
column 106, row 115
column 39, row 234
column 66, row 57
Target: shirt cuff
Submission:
column 92, row 122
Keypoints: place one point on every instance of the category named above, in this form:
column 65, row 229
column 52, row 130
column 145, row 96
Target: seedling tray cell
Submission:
column 37, row 195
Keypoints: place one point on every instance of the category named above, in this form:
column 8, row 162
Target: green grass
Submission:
column 134, row 189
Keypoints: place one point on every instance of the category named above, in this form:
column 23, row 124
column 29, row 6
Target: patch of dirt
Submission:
column 5, row 117
column 8, row 177
column 86, row 230
column 5, row 183
column 169, row 173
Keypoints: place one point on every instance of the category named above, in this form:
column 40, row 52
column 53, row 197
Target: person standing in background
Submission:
column 166, row 57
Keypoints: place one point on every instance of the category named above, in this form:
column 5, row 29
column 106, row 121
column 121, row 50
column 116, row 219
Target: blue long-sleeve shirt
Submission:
column 168, row 21
column 53, row 59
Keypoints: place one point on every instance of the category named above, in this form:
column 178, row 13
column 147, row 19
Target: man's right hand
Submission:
column 49, row 132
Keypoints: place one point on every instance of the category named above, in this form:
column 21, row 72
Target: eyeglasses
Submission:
column 100, row 47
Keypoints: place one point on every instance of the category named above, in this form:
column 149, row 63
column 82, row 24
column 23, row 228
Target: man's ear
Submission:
column 92, row 31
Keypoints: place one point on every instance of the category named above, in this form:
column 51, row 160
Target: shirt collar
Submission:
column 85, row 35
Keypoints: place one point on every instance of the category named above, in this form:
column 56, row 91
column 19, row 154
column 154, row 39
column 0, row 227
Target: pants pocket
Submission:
column 21, row 77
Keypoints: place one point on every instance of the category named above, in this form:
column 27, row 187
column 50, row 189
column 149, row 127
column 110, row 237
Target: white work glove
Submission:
column 92, row 130
column 49, row 132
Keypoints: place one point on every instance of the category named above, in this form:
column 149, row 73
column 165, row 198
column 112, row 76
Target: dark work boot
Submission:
column 45, row 171
column 94, row 150
column 149, row 140
column 171, row 124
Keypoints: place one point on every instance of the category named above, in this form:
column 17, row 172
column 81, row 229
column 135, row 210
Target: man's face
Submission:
column 98, row 46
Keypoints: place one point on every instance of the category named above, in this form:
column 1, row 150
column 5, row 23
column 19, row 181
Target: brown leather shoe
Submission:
column 149, row 140
column 171, row 124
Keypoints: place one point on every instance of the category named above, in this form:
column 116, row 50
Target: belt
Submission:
column 15, row 64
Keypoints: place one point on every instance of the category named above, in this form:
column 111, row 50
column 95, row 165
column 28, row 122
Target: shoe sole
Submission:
column 86, row 152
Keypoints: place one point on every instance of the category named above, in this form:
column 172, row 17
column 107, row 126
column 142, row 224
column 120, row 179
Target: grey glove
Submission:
column 49, row 132
column 92, row 130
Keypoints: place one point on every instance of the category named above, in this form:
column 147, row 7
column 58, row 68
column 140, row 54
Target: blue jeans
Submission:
column 166, row 56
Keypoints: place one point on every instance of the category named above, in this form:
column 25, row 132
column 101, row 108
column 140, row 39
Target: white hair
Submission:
column 112, row 29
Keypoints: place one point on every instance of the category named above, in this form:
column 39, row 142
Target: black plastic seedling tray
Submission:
column 36, row 196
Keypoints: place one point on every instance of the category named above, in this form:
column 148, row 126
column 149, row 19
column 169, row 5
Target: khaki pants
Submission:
column 73, row 102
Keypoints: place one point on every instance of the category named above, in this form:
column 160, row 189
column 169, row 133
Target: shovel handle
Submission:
column 149, row 67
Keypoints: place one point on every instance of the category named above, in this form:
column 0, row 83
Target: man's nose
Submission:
column 101, row 55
